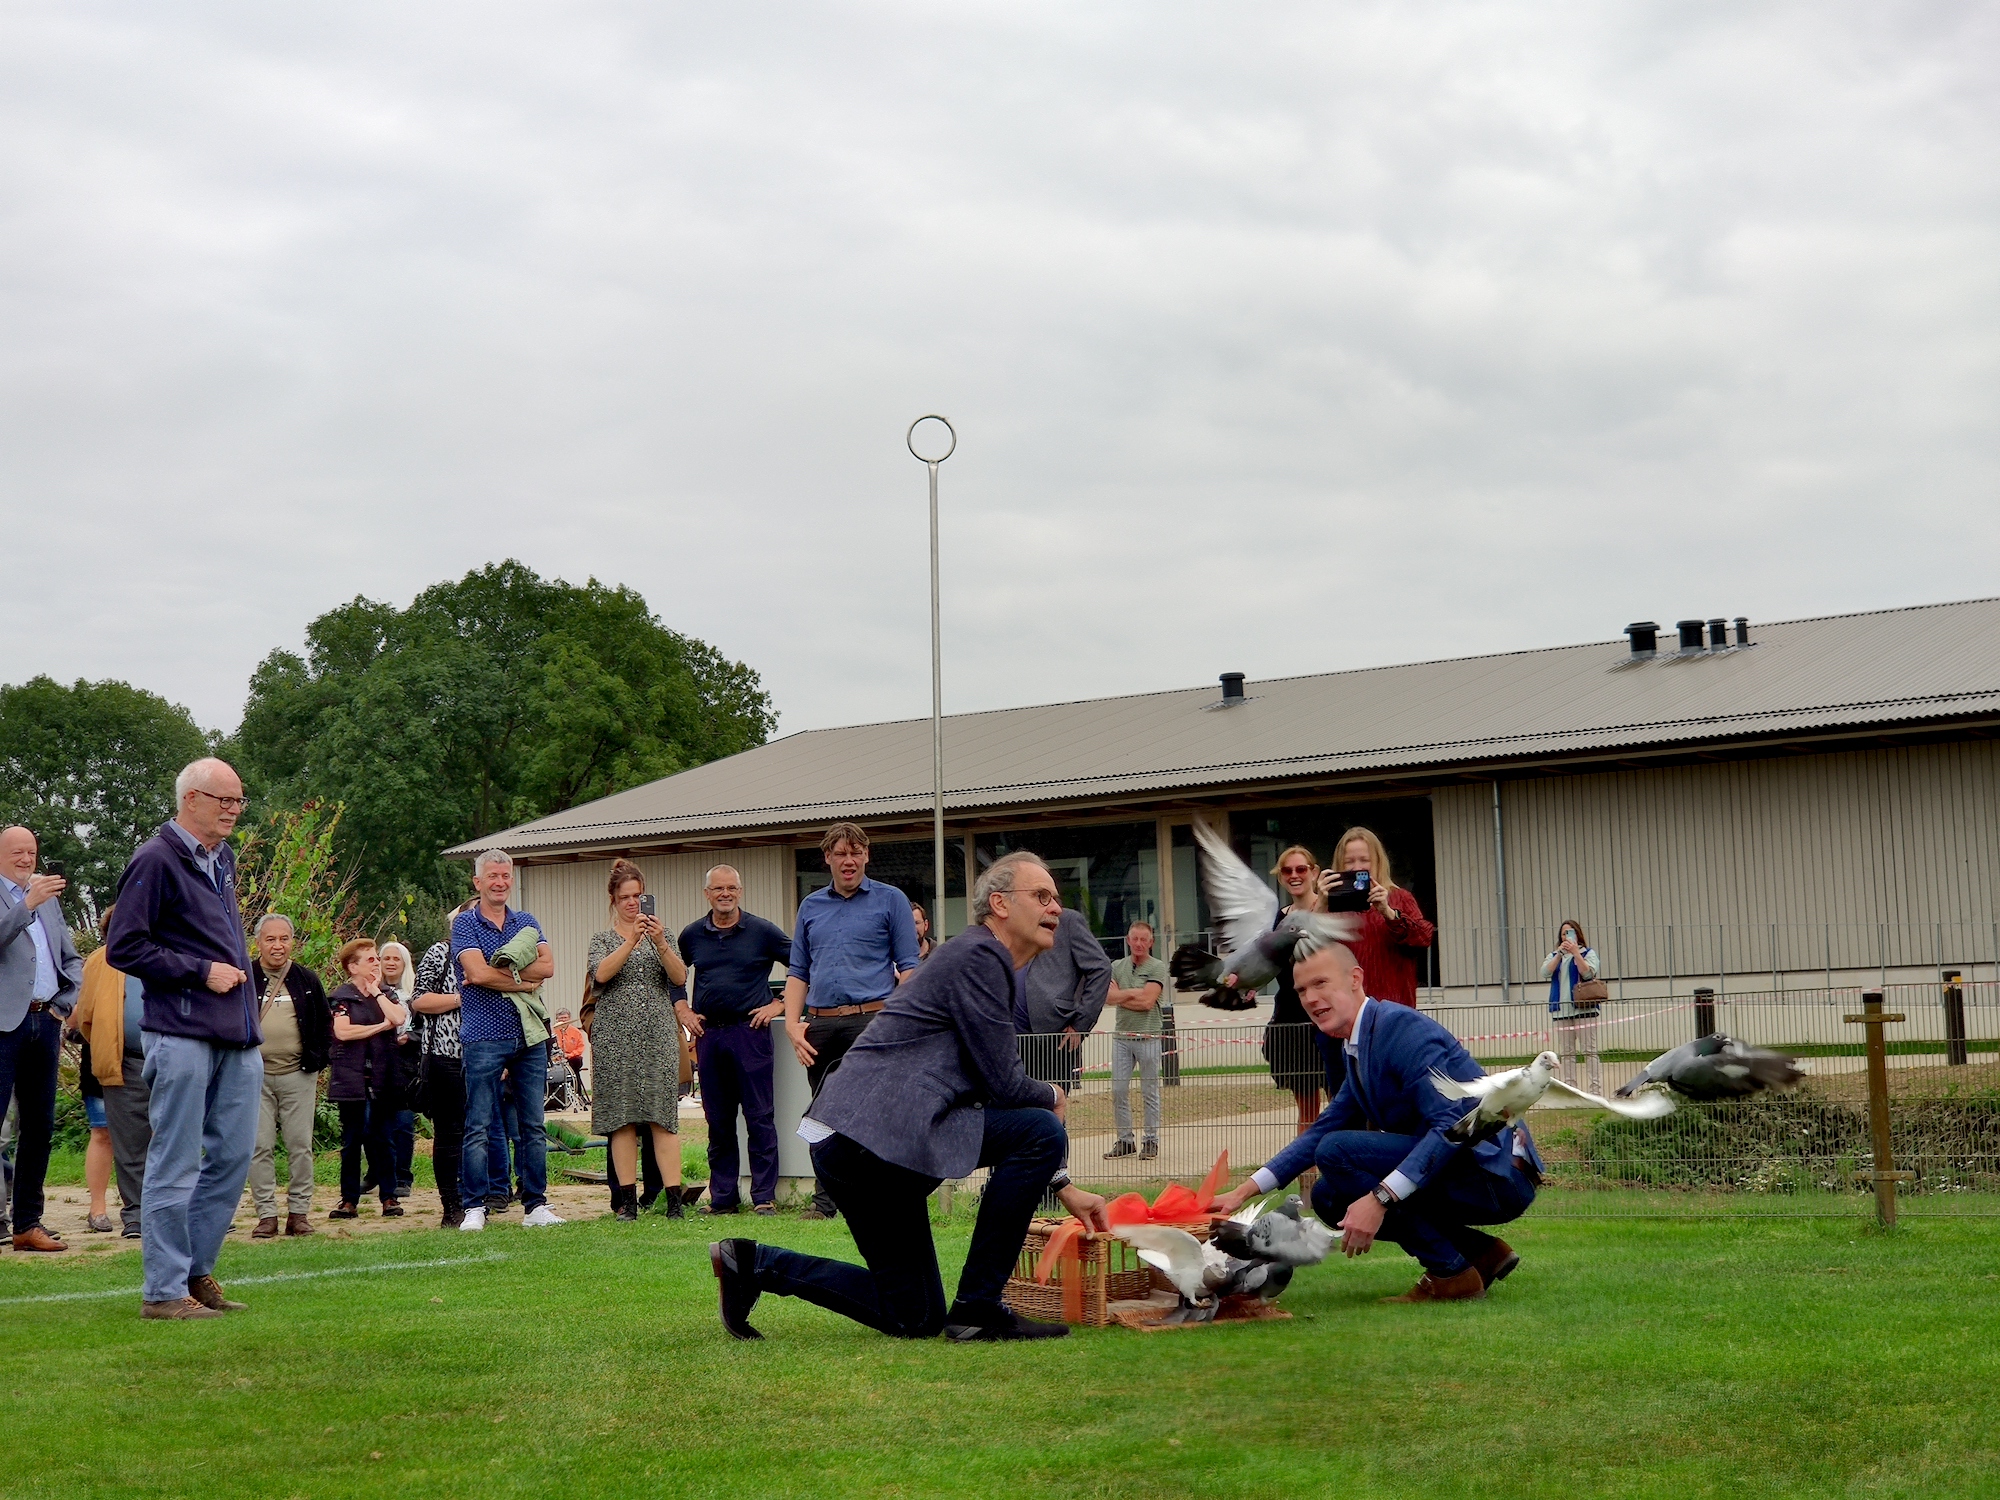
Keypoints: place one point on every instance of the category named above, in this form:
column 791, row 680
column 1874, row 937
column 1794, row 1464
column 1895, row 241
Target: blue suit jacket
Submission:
column 1388, row 1088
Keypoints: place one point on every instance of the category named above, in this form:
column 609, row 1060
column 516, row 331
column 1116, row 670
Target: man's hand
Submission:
column 1070, row 1039
column 804, row 1050
column 222, row 978
column 688, row 1017
column 1086, row 1205
column 1060, row 1109
column 1232, row 1201
column 44, row 888
column 764, row 1015
column 1360, row 1225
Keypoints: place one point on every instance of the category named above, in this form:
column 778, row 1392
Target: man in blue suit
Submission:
column 1386, row 1170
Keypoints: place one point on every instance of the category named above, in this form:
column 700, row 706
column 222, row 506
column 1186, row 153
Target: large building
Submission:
column 1734, row 804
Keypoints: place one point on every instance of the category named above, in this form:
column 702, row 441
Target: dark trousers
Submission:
column 735, row 1066
column 1047, row 1060
column 403, row 1146
column 364, row 1126
column 1434, row 1223
column 900, row 1292
column 444, row 1102
column 831, row 1038
column 29, row 1055
column 127, row 1113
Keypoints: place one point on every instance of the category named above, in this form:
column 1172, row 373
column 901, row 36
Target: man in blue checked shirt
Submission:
column 855, row 943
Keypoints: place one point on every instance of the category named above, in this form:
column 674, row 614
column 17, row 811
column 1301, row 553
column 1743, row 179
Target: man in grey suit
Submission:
column 1065, row 989
column 933, row 1089
column 40, row 975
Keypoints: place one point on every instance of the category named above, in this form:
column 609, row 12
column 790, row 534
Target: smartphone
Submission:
column 646, row 908
column 56, row 868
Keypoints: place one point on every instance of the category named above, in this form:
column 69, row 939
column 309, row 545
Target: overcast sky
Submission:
column 1279, row 338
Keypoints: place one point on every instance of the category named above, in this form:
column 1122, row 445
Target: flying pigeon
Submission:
column 1716, row 1067
column 1284, row 1236
column 1255, row 952
column 1505, row 1097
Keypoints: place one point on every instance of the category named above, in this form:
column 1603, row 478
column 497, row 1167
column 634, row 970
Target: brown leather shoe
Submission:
column 185, row 1307
column 1464, row 1287
column 208, row 1292
column 267, row 1229
column 35, row 1237
column 1496, row 1263
column 299, row 1224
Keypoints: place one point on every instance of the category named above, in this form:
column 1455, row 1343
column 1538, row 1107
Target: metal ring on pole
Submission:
column 910, row 439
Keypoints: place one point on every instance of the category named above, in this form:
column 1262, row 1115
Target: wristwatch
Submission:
column 1382, row 1195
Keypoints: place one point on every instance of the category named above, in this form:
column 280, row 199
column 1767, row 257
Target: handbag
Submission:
column 586, row 1013
column 1590, row 994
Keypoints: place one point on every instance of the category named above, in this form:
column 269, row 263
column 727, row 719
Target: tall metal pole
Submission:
column 937, row 682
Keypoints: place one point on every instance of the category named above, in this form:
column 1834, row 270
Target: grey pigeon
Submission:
column 1254, row 952
column 1716, row 1067
column 1284, row 1235
column 1505, row 1097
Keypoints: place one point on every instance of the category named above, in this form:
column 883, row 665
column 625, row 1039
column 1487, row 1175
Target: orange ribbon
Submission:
column 1175, row 1205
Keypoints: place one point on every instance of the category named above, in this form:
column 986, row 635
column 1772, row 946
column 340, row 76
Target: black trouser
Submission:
column 364, row 1125
column 444, row 1102
column 900, row 1293
column 29, row 1057
column 830, row 1038
column 128, row 1114
column 1047, row 1059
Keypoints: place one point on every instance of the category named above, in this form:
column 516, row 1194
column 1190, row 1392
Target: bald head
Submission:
column 18, row 848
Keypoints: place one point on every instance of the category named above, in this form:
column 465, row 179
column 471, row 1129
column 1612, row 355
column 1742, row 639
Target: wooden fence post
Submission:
column 1885, row 1174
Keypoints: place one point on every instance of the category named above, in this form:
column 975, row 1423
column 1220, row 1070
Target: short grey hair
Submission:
column 487, row 858
column 709, row 879
column 273, row 916
column 193, row 774
column 999, row 876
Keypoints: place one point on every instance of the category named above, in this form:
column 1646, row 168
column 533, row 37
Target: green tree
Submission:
column 286, row 864
column 90, row 768
column 491, row 700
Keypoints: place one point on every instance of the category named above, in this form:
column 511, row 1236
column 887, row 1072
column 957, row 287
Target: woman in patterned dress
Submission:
column 635, row 1040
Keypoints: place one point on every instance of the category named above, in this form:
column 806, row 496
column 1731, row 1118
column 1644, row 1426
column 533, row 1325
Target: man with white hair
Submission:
column 178, row 928
column 297, row 1024
column 40, row 978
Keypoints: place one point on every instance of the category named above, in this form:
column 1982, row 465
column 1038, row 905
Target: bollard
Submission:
column 1170, row 1050
column 1704, row 1013
column 1885, row 1174
column 1954, row 1019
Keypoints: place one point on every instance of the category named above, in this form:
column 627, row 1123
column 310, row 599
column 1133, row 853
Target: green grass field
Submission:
column 1624, row 1358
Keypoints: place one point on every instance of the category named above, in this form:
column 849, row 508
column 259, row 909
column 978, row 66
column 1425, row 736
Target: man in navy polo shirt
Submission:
column 856, row 941
column 489, row 1032
column 731, row 953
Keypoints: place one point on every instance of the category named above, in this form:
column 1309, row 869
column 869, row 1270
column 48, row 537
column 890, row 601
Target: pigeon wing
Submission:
column 1244, row 905
column 1474, row 1088
column 1173, row 1251
column 1650, row 1105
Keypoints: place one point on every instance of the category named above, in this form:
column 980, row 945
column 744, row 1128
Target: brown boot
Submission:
column 208, row 1292
column 1464, row 1287
column 299, row 1224
column 185, row 1307
column 267, row 1229
column 1499, row 1259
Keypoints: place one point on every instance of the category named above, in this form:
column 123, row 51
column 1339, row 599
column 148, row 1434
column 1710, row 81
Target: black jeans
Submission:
column 444, row 1102
column 900, row 1292
column 29, row 1057
column 364, row 1125
column 830, row 1038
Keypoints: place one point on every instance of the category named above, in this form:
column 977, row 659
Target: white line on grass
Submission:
column 387, row 1265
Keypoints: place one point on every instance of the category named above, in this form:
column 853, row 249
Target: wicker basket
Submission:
column 1111, row 1271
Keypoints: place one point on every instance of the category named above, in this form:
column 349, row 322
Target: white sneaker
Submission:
column 542, row 1218
column 475, row 1220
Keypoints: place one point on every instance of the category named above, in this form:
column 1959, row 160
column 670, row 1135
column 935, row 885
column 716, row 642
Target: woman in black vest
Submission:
column 361, row 1077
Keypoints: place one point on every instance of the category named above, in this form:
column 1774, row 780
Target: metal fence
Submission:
column 1805, row 1152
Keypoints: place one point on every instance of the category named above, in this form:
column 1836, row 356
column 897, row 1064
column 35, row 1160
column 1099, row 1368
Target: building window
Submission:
column 1108, row 871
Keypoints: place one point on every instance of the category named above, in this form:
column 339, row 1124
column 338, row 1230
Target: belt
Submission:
column 35, row 1005
column 828, row 1012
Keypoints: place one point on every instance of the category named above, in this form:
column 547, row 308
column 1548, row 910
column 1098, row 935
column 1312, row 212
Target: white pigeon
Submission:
column 1202, row 1274
column 1505, row 1097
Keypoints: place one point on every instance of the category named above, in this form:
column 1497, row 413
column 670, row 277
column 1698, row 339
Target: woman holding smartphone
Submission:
column 635, row 1040
column 361, row 1077
column 1571, row 963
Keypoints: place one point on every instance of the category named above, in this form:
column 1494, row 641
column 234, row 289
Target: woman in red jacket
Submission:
column 1394, row 930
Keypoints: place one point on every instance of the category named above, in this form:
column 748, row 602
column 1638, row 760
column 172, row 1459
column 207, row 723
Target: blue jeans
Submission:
column 485, row 1170
column 204, row 1103
column 1434, row 1223
column 900, row 1292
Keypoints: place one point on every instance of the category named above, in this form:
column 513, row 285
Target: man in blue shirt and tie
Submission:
column 856, row 941
column 40, row 975
column 1386, row 1168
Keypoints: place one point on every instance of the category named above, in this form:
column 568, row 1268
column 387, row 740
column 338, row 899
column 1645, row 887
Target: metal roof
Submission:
column 1821, row 676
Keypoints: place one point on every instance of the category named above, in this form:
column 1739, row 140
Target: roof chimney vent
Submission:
column 1718, row 634
column 1645, row 636
column 1232, row 688
column 1690, row 636
column 1742, row 630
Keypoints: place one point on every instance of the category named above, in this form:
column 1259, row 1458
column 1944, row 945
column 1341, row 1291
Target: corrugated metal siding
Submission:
column 570, row 902
column 1878, row 846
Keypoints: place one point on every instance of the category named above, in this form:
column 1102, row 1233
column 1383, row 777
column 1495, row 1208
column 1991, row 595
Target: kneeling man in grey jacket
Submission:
column 933, row 1089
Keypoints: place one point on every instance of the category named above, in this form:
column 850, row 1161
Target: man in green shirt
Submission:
column 1138, row 984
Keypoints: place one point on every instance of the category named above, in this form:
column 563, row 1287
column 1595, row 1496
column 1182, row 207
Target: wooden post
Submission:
column 1885, row 1174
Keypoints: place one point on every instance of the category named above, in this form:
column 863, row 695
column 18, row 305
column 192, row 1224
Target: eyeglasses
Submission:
column 1043, row 897
column 239, row 803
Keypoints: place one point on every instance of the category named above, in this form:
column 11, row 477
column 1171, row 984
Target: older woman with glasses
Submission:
column 361, row 1080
